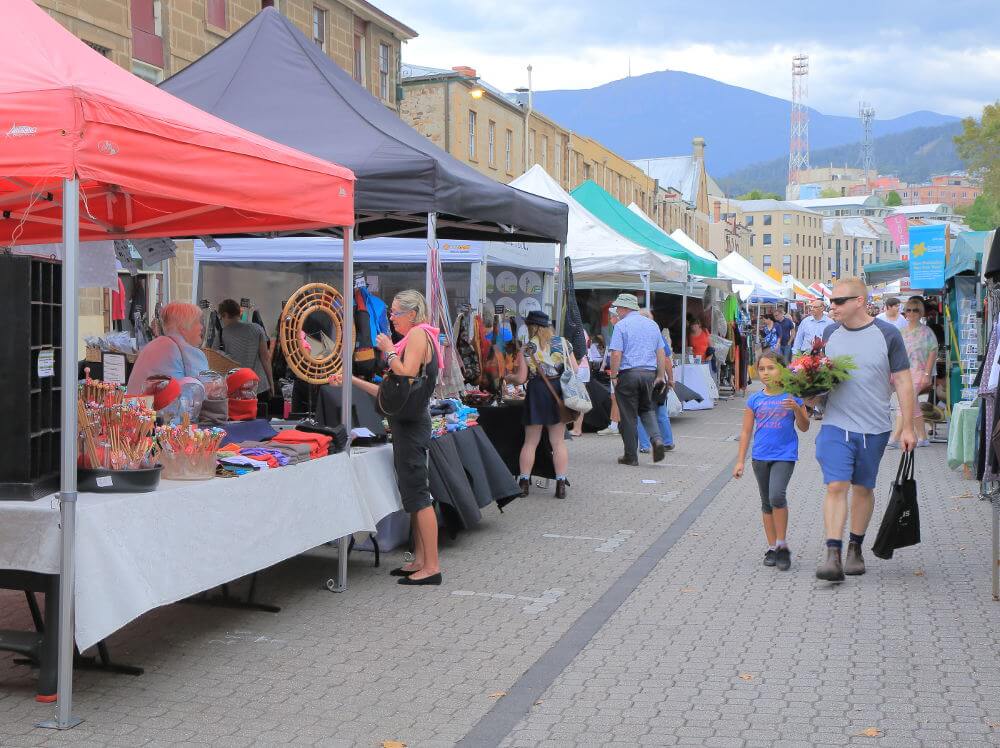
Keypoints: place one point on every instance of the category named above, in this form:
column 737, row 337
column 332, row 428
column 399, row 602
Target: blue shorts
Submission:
column 848, row 456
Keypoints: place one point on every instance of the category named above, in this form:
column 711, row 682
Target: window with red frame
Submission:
column 215, row 13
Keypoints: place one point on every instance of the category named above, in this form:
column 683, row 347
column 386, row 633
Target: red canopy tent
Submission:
column 89, row 151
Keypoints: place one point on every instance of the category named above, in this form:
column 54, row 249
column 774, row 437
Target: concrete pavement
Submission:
column 635, row 612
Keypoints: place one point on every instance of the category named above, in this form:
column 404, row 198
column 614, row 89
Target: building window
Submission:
column 557, row 160
column 472, row 135
column 786, row 219
column 829, row 264
column 383, row 71
column 147, row 32
column 149, row 73
column 508, row 147
column 278, row 5
column 102, row 51
column 531, row 150
column 319, row 27
column 786, row 264
column 749, row 220
column 751, row 240
column 767, row 240
column 766, row 264
column 215, row 13
column 360, row 50
column 786, row 240
column 492, row 132
column 586, row 170
column 545, row 152
column 767, row 219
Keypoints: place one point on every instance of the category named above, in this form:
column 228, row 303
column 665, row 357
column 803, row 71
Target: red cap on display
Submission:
column 164, row 394
column 239, row 378
column 242, row 410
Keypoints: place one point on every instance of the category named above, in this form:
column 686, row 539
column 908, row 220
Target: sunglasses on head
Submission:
column 912, row 309
column 841, row 300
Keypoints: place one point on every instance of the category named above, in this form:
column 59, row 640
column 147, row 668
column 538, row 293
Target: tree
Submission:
column 759, row 195
column 893, row 200
column 982, row 215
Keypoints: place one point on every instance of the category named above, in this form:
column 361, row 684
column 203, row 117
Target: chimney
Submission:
column 699, row 147
column 717, row 211
column 465, row 70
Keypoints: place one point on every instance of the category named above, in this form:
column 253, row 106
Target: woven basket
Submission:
column 220, row 362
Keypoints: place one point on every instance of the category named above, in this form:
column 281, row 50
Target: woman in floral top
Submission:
column 545, row 355
column 922, row 349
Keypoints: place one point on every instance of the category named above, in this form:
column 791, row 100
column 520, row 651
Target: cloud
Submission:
column 900, row 56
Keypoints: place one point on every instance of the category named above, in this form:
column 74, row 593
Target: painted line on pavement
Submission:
column 499, row 721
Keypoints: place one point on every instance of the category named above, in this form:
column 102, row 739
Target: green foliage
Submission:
column 830, row 192
column 893, row 200
column 982, row 215
column 759, row 195
column 807, row 376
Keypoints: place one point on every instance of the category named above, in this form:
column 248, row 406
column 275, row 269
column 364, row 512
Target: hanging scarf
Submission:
column 433, row 332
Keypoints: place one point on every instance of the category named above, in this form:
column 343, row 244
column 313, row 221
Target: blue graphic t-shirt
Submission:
column 774, row 435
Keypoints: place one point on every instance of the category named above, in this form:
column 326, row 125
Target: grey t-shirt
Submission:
column 242, row 344
column 861, row 404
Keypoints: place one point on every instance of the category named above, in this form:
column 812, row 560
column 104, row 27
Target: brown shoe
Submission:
column 525, row 485
column 627, row 461
column 831, row 569
column 561, row 488
column 854, row 564
column 659, row 451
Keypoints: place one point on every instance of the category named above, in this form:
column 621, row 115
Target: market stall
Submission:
column 113, row 157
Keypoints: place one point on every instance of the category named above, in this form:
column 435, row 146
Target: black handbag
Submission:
column 398, row 396
column 901, row 524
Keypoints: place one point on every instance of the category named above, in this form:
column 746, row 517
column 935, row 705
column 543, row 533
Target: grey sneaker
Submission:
column 854, row 564
column 609, row 431
column 831, row 570
column 769, row 557
column 783, row 558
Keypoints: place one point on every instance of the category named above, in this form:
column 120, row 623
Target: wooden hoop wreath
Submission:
column 311, row 298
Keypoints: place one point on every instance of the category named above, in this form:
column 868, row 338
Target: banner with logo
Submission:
column 899, row 229
column 927, row 256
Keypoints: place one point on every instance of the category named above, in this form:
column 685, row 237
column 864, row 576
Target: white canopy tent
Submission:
column 738, row 268
column 603, row 258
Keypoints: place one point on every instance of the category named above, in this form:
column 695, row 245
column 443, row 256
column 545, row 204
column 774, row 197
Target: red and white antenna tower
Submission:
column 798, row 151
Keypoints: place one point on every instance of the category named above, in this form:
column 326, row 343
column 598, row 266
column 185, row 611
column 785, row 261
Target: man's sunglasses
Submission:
column 912, row 309
column 841, row 300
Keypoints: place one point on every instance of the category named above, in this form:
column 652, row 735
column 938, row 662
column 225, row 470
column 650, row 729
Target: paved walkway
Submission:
column 634, row 613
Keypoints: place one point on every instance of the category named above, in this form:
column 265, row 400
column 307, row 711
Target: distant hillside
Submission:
column 658, row 114
column 913, row 156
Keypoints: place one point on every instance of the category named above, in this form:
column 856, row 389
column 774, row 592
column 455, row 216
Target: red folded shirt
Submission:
column 319, row 444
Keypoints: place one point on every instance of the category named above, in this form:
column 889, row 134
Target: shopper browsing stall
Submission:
column 246, row 344
column 541, row 364
column 922, row 349
column 416, row 355
column 175, row 354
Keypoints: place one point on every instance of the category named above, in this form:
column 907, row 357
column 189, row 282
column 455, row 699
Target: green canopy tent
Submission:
column 599, row 201
column 885, row 272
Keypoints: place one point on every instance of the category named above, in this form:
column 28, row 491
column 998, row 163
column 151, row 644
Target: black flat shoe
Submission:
column 525, row 485
column 626, row 461
column 434, row 579
column 401, row 572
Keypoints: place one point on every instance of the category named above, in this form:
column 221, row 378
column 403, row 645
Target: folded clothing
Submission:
column 274, row 457
column 319, row 444
column 295, row 453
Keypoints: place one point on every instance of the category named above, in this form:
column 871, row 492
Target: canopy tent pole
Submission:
column 430, row 278
column 684, row 327
column 560, row 305
column 67, row 479
column 645, row 287
column 347, row 388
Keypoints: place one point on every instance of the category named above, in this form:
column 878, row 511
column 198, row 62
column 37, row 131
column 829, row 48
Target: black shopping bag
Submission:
column 901, row 523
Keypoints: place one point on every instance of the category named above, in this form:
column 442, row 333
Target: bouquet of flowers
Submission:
column 815, row 373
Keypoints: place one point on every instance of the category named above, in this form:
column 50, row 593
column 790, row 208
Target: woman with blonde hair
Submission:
column 541, row 364
column 176, row 353
column 418, row 351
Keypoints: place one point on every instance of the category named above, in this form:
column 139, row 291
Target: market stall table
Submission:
column 140, row 551
column 504, row 427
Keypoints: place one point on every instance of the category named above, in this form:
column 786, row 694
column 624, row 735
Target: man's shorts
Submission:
column 849, row 456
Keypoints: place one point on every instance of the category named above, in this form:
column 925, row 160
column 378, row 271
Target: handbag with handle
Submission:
column 901, row 524
column 395, row 396
column 566, row 415
column 575, row 394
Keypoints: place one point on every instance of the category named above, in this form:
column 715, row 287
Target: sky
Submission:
column 936, row 55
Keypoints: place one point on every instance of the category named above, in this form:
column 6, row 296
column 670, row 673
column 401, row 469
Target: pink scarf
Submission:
column 433, row 332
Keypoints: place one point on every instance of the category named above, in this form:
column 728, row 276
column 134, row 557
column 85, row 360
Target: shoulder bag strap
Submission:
column 548, row 384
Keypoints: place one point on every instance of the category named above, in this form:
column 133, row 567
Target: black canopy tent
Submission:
column 270, row 79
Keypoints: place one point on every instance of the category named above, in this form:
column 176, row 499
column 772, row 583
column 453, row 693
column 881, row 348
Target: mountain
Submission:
column 913, row 156
column 658, row 114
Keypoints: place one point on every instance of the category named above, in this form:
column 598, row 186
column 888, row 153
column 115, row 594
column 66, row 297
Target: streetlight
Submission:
column 476, row 93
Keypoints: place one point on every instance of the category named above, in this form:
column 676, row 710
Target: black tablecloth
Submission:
column 467, row 475
column 504, row 426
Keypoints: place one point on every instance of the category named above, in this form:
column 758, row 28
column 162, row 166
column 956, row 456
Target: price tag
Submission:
column 114, row 368
column 105, row 481
column 46, row 363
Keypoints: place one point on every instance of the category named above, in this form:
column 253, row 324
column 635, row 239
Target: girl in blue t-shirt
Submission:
column 771, row 416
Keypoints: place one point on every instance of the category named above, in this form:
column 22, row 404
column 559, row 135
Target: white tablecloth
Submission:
column 699, row 378
column 136, row 552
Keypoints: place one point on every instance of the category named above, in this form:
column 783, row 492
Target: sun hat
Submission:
column 536, row 317
column 627, row 301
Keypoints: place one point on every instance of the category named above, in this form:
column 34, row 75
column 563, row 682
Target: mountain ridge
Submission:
column 658, row 114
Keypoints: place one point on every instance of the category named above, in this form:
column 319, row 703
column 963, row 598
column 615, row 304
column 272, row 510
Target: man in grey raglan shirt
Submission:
column 857, row 423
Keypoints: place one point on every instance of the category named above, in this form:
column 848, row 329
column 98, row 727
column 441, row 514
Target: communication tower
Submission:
column 798, row 151
column 867, row 114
